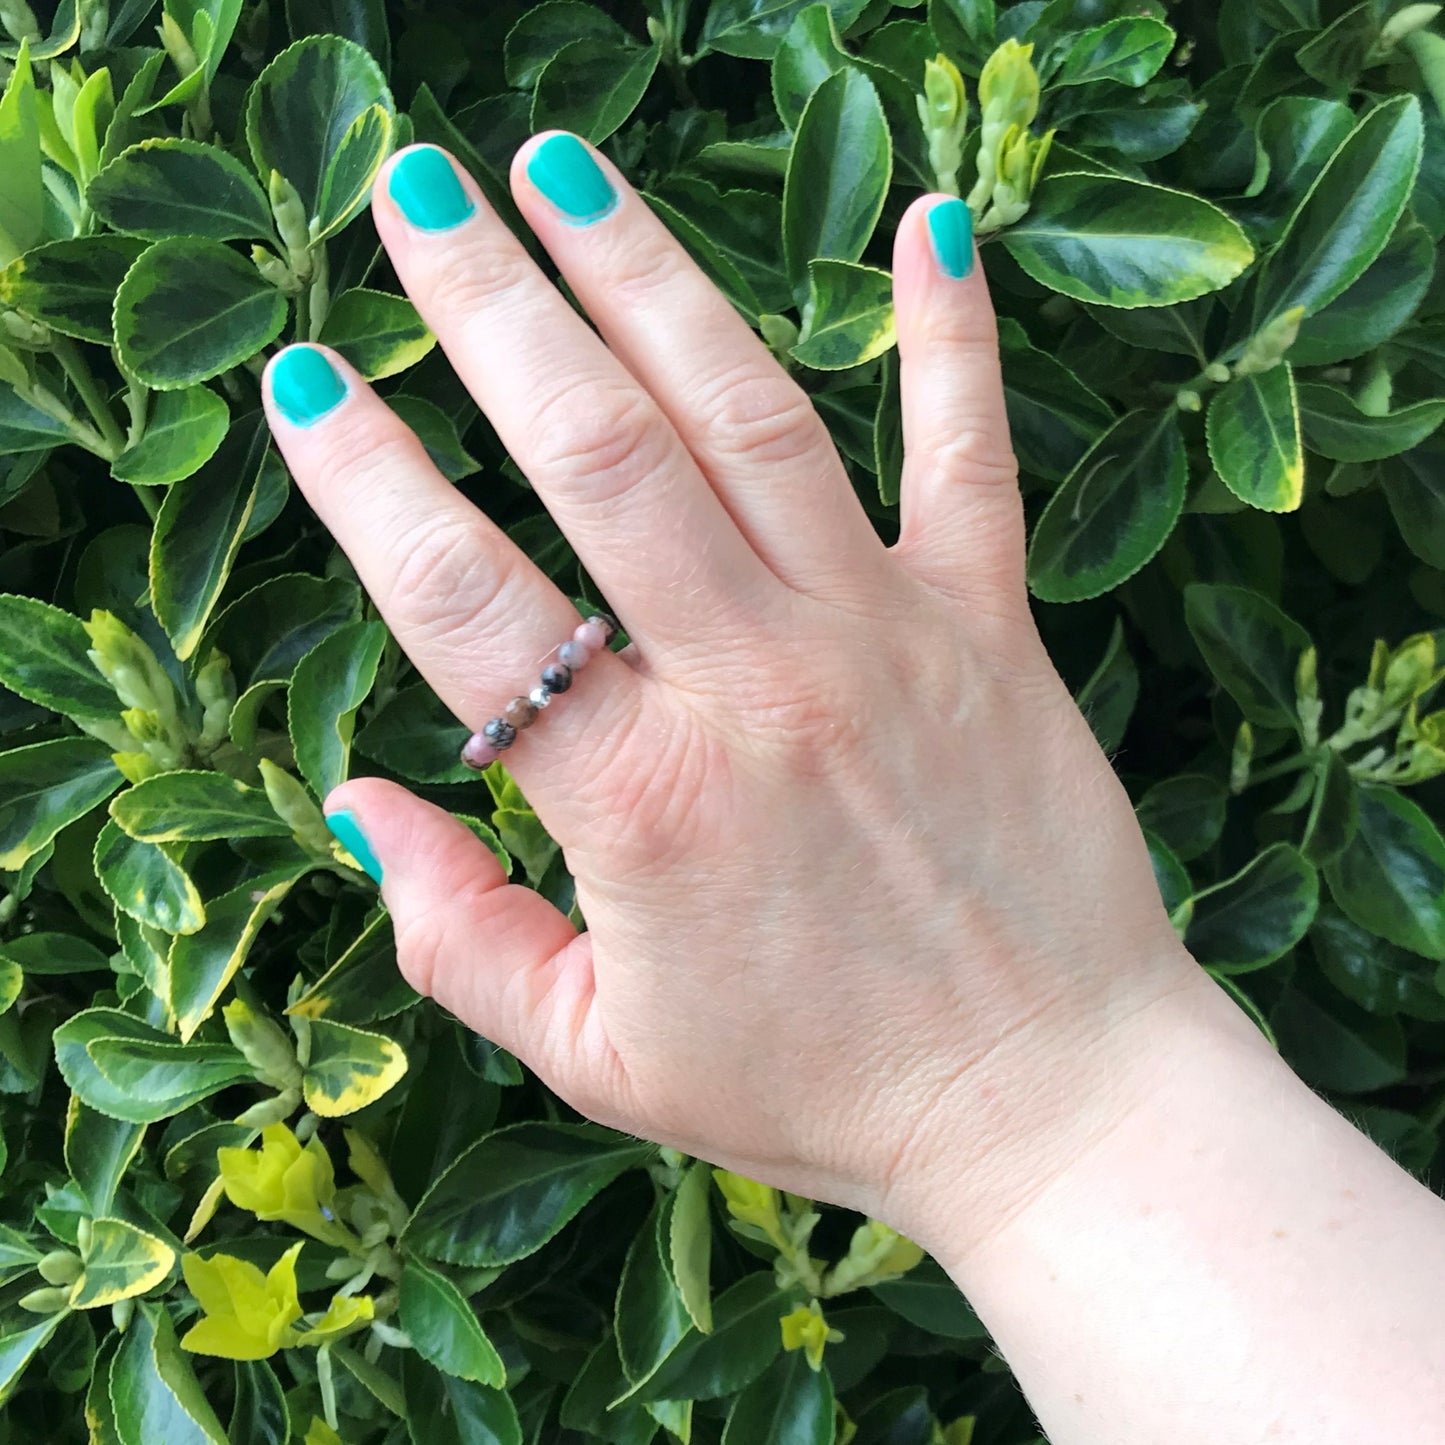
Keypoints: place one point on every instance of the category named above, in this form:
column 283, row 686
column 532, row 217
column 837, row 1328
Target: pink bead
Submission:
column 477, row 752
column 591, row 635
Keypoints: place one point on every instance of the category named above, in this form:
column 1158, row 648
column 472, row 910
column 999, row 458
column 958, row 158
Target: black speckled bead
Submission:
column 608, row 621
column 500, row 733
column 557, row 678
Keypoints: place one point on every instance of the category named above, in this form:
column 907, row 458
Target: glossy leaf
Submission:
column 1127, row 50
column 330, row 683
column 1254, row 440
column 1256, row 916
column 651, row 1317
column 1335, row 427
column 1379, row 976
column 45, row 787
column 689, row 1243
column 153, row 1387
column 789, row 1404
column 120, row 1262
column 1346, row 217
column 444, row 1329
column 187, row 807
column 838, row 174
column 849, row 316
column 43, row 658
column 378, row 333
column 591, row 87
column 163, row 188
column 147, row 882
column 508, row 1195
column 349, row 1068
column 1251, row 647
column 1124, row 243
column 190, row 309
column 1391, row 878
column 755, row 28
column 1114, row 511
column 1186, row 811
column 70, row 285
column 543, row 30
column 181, row 436
column 444, row 1409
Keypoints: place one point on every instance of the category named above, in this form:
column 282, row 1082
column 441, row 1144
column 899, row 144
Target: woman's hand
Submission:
column 869, row 916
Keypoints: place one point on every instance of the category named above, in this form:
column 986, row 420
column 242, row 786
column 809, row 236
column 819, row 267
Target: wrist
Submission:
column 1051, row 1099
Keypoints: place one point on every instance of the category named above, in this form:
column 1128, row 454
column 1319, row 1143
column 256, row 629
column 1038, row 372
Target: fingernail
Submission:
column 427, row 190
column 950, row 228
column 563, row 170
column 305, row 385
column 348, row 833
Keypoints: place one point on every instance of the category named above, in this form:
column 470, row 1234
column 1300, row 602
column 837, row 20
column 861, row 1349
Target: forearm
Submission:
column 1235, row 1262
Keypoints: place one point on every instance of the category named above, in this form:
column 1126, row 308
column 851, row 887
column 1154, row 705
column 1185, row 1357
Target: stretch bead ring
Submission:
column 499, row 733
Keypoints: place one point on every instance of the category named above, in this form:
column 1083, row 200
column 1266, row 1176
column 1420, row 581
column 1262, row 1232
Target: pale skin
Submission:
column 869, row 917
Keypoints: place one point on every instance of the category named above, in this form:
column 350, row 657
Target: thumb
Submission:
column 500, row 957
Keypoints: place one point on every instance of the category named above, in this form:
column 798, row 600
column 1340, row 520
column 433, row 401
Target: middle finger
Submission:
column 603, row 457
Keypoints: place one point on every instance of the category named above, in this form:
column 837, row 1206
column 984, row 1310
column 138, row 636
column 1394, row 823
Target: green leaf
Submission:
column 436, row 431
column 1107, row 699
column 203, row 964
column 1258, row 915
column 98, row 1151
column 788, row 1404
column 1251, row 647
column 745, row 1339
column 1346, row 217
column 1128, row 51
column 190, row 309
column 45, row 787
column 378, row 333
column 754, row 29
column 1334, row 1045
column 25, row 428
column 170, row 187
column 363, row 985
column 1391, row 878
column 545, row 29
column 1176, row 891
column 19, row 1346
column 50, row 953
column 506, row 1196
column 928, row 1298
column 44, row 658
column 838, row 174
column 1373, row 973
column 849, row 316
column 1415, row 489
column 965, row 28
column 70, row 285
column 146, row 882
column 260, row 1415
column 198, row 532
column 446, row 1410
column 1053, row 417
column 321, row 114
column 349, row 1068
column 809, row 53
column 1336, row 428
column 1253, row 428
column 1373, row 308
column 415, row 735
column 1118, row 242
column 181, row 436
column 1114, row 511
column 585, row 1405
column 269, row 629
column 1186, row 811
column 444, row 1328
column 328, row 686
column 22, row 198
column 650, row 1316
column 689, row 1243
column 120, row 1262
column 154, row 1390
column 192, row 806
column 592, row 86
column 175, row 1075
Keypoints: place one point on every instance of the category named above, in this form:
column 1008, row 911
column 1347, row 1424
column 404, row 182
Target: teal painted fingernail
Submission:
column 428, row 191
column 304, row 385
column 563, row 170
column 348, row 833
column 950, row 228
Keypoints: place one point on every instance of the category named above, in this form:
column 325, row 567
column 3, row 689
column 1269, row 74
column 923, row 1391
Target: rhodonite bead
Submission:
column 592, row 634
column 540, row 696
column 499, row 732
column 557, row 678
column 521, row 712
column 573, row 655
column 477, row 752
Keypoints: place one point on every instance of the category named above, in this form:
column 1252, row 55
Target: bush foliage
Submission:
column 254, row 1188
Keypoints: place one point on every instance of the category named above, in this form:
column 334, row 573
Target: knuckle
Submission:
column 764, row 417
column 639, row 269
column 975, row 454
column 446, row 577
column 355, row 456
column 461, row 281
column 600, row 441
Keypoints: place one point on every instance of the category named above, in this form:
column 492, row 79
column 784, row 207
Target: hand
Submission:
column 863, row 894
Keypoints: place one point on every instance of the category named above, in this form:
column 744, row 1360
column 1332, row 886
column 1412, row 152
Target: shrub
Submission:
column 248, row 1176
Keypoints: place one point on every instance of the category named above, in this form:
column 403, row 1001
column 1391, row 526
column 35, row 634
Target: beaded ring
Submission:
column 499, row 733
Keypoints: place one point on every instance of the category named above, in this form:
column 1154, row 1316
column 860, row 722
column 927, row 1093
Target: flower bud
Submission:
column 1241, row 759
column 178, row 47
column 266, row 1045
column 1405, row 22
column 943, row 110
column 1008, row 89
column 45, row 1301
column 290, row 214
column 274, row 270
column 60, row 1266
column 293, row 806
column 1266, row 348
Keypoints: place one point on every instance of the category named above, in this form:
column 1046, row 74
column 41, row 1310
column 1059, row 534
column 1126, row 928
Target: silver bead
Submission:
column 539, row 696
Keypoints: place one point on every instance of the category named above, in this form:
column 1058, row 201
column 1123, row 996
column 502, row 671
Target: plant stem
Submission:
column 68, row 354
column 1281, row 769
